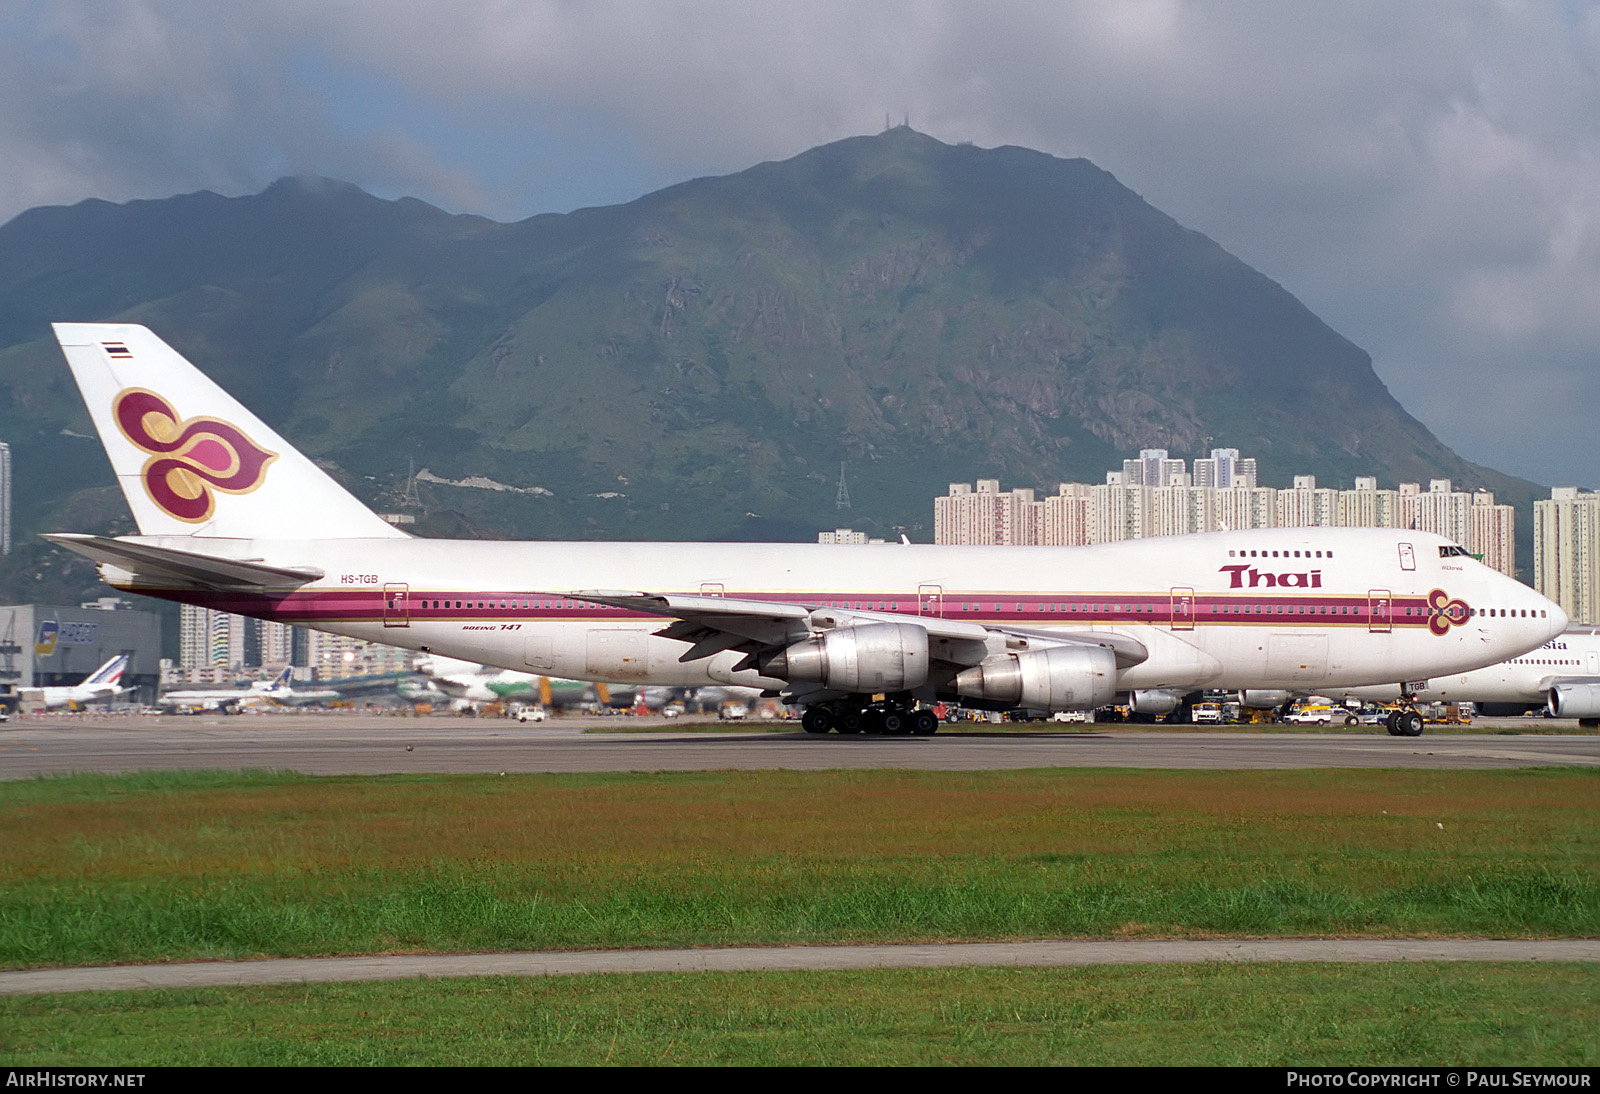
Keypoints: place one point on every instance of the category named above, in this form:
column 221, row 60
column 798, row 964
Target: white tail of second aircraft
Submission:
column 110, row 672
column 190, row 459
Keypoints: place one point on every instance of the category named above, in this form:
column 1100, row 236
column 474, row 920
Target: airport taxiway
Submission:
column 361, row 744
column 1036, row 954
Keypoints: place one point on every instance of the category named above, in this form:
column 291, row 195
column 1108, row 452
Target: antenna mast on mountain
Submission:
column 842, row 499
column 411, row 500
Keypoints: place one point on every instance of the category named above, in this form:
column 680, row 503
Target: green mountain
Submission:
column 698, row 363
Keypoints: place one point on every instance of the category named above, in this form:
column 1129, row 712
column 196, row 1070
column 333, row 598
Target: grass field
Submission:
column 173, row 866
column 1304, row 1015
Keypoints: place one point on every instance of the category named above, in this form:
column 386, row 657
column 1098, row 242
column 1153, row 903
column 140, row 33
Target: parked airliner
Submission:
column 232, row 517
column 279, row 691
column 1563, row 676
column 101, row 686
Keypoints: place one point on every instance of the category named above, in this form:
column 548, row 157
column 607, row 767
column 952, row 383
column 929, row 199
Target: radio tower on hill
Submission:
column 842, row 499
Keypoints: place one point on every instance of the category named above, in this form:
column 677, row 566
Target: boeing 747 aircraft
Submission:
column 232, row 517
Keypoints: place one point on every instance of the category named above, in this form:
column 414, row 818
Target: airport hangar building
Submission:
column 44, row 645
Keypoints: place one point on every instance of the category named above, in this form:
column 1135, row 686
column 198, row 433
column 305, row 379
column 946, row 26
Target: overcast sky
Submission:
column 1424, row 176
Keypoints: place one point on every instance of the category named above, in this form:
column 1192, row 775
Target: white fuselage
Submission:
column 1526, row 678
column 1298, row 608
column 50, row 697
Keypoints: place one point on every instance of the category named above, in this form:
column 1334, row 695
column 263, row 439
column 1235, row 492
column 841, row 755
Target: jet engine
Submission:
column 869, row 658
column 1154, row 701
column 1263, row 700
column 1054, row 678
column 1574, row 701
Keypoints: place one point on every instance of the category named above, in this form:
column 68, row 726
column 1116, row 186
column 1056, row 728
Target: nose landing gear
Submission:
column 1404, row 723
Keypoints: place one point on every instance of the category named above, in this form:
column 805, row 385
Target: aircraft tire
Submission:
column 816, row 720
column 893, row 722
column 924, row 724
column 851, row 721
column 1350, row 719
column 1410, row 724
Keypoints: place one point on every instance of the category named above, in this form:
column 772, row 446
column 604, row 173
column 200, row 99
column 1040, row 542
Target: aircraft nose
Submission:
column 1557, row 619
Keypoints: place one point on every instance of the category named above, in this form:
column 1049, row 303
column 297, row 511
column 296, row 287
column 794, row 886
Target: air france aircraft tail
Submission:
column 109, row 673
column 189, row 458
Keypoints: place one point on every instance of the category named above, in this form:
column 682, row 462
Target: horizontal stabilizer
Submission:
column 168, row 568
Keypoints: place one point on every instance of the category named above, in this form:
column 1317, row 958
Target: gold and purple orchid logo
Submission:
column 1445, row 612
column 189, row 457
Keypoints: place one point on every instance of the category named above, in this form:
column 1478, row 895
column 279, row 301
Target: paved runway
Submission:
column 1056, row 954
column 357, row 744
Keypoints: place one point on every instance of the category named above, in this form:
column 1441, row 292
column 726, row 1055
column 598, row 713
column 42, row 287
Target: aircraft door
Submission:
column 1408, row 557
column 1183, row 609
column 712, row 588
column 1380, row 611
column 396, row 605
column 930, row 600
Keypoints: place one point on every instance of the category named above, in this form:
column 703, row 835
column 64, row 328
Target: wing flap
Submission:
column 761, row 622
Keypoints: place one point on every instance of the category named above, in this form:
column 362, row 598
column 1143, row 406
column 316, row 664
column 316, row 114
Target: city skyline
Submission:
column 1155, row 495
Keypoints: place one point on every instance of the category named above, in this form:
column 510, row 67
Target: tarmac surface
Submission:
column 372, row 744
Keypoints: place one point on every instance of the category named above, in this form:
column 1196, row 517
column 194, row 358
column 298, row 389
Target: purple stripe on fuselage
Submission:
column 376, row 605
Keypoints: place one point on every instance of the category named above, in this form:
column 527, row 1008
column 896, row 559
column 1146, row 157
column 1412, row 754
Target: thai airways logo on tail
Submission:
column 189, row 457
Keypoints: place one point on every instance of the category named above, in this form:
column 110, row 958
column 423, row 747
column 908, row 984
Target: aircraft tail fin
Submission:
column 190, row 459
column 110, row 672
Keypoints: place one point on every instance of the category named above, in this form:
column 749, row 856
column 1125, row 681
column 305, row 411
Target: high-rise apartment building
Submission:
column 1566, row 551
column 217, row 646
column 1154, row 468
column 1223, row 468
column 1368, row 507
column 985, row 516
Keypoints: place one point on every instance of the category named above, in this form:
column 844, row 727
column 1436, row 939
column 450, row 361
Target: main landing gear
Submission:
column 888, row 718
column 1404, row 723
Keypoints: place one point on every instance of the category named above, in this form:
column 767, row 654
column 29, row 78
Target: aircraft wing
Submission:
column 303, row 697
column 712, row 624
column 168, row 567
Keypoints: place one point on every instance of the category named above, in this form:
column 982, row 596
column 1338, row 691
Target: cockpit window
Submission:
column 1450, row 550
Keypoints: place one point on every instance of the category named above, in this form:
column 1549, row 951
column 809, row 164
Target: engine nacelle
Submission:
column 1055, row 678
column 1154, row 701
column 869, row 658
column 1574, row 701
column 1263, row 700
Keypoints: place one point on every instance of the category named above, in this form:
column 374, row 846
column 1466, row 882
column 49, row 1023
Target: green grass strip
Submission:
column 1416, row 1015
column 104, row 869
